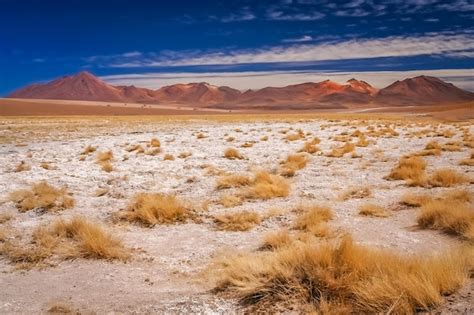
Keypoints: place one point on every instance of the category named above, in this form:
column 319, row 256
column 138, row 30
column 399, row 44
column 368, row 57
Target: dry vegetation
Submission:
column 42, row 196
column 66, row 239
column 293, row 163
column 238, row 221
column 233, row 154
column 340, row 277
column 313, row 219
column 150, row 209
column 411, row 169
column 373, row 210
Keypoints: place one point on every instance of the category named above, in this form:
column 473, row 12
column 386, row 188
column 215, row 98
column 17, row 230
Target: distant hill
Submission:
column 422, row 90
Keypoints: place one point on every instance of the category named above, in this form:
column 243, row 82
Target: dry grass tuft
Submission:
column 341, row 277
column 237, row 221
column 448, row 215
column 469, row 161
column 150, row 209
column 446, row 178
column 155, row 143
column 184, row 155
column 373, row 210
column 21, row 167
column 104, row 156
column 42, row 196
column 233, row 154
column 276, row 240
column 247, row 145
column 229, row 200
column 89, row 149
column 168, row 157
column 313, row 220
column 412, row 200
column 75, row 238
column 232, row 181
column 293, row 163
column 107, row 166
column 266, row 186
column 356, row 193
column 340, row 151
column 310, row 148
column 411, row 169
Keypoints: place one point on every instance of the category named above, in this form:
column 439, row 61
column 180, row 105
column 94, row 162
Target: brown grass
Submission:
column 155, row 143
column 373, row 210
column 45, row 165
column 184, row 155
column 448, row 215
column 106, row 166
column 266, row 186
column 42, row 196
column 469, row 161
column 412, row 200
column 233, row 154
column 232, row 181
column 276, row 240
column 411, row 169
column 313, row 220
column 340, row 151
column 310, row 148
column 293, row 163
column 74, row 238
column 229, row 200
column 150, row 209
column 341, row 277
column 168, row 157
column 104, row 156
column 89, row 149
column 446, row 178
column 237, row 221
column 22, row 167
column 356, row 193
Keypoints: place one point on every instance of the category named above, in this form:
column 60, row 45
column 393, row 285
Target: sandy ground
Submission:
column 167, row 272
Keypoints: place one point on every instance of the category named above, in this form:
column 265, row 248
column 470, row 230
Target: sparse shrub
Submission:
column 373, row 210
column 446, row 178
column 155, row 143
column 356, row 193
column 150, row 209
column 411, row 169
column 233, row 154
column 168, row 157
column 266, row 186
column 89, row 149
column 340, row 151
column 42, row 196
column 184, row 155
column 233, row 180
column 293, row 163
column 448, row 215
column 238, row 221
column 74, row 238
column 21, row 167
column 341, row 277
column 313, row 220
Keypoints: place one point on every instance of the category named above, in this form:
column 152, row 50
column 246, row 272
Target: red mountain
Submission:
column 82, row 86
column 422, row 90
column 325, row 94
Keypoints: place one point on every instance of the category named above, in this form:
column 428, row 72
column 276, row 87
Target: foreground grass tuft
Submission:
column 42, row 196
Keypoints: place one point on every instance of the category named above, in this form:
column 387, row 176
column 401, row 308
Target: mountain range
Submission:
column 421, row 90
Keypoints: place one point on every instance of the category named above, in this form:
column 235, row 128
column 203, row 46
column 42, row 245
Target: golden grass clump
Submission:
column 229, row 200
column 247, row 145
column 340, row 151
column 446, row 178
column 266, row 186
column 232, row 181
column 21, row 167
column 184, row 155
column 150, row 209
column 469, row 161
column 200, row 136
column 89, row 149
column 295, row 136
column 411, row 169
column 362, row 141
column 135, row 148
column 233, row 154
column 276, row 240
column 104, row 156
column 168, row 157
column 413, row 200
column 155, row 143
column 341, row 277
column 293, row 163
column 313, row 220
column 264, row 138
column 309, row 147
column 356, row 193
column 373, row 210
column 106, row 166
column 67, row 239
column 449, row 215
column 237, row 221
column 42, row 196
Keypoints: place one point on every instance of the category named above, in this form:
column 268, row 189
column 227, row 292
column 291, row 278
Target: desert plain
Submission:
column 223, row 214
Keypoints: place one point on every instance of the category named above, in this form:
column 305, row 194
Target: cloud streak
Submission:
column 361, row 48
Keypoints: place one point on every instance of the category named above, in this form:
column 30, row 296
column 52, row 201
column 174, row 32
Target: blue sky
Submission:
column 246, row 44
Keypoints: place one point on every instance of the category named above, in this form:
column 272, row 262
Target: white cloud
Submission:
column 304, row 38
column 462, row 78
column 393, row 46
column 278, row 15
column 244, row 15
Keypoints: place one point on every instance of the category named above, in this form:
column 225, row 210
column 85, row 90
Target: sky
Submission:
column 241, row 43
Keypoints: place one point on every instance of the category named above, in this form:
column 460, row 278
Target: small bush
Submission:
column 238, row 221
column 373, row 211
column 42, row 196
column 150, row 209
column 233, row 154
